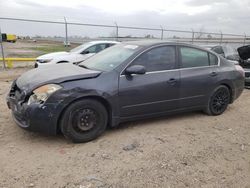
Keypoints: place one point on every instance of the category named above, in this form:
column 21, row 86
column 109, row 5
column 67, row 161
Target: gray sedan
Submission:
column 126, row 82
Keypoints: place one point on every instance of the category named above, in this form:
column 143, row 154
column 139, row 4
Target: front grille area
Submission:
column 16, row 92
column 247, row 84
column 247, row 74
column 13, row 89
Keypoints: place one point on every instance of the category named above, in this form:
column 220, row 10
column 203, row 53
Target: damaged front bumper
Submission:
column 35, row 117
column 247, row 78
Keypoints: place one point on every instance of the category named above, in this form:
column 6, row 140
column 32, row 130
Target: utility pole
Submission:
column 1, row 43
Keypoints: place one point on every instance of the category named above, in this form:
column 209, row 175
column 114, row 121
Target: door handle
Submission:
column 213, row 74
column 172, row 81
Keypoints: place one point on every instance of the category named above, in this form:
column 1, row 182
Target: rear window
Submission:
column 192, row 57
column 218, row 50
column 213, row 59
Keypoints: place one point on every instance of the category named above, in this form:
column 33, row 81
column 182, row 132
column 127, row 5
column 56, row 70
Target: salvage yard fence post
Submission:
column 221, row 37
column 1, row 43
column 117, row 31
column 66, row 33
column 162, row 32
column 192, row 36
column 245, row 37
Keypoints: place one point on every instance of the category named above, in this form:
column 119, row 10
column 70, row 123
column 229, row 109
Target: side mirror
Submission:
column 135, row 69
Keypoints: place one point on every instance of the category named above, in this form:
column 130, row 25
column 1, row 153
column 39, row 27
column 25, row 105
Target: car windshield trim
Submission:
column 111, row 57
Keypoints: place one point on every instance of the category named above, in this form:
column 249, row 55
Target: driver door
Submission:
column 156, row 91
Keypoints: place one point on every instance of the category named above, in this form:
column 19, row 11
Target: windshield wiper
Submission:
column 83, row 66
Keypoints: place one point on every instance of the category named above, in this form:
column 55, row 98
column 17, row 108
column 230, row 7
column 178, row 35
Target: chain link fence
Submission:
column 75, row 32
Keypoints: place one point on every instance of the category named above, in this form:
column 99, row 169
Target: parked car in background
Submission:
column 77, row 54
column 244, row 53
column 227, row 51
column 9, row 37
column 129, row 81
column 237, row 55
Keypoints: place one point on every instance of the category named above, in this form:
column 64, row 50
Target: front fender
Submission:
column 61, row 100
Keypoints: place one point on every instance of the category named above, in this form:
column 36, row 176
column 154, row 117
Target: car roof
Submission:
column 148, row 43
column 103, row 41
column 207, row 46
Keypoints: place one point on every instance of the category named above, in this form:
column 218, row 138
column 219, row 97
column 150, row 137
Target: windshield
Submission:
column 110, row 58
column 80, row 48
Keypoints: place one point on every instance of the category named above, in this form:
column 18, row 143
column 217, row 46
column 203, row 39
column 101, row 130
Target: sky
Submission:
column 228, row 16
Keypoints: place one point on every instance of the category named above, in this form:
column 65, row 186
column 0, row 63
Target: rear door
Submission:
column 198, row 76
column 156, row 91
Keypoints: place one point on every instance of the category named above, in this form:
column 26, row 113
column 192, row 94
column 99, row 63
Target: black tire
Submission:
column 218, row 101
column 84, row 120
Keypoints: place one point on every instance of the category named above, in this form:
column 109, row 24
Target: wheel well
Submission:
column 104, row 102
column 230, row 91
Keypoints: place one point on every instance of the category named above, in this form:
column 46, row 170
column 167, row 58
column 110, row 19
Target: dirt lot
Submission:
column 28, row 48
column 188, row 150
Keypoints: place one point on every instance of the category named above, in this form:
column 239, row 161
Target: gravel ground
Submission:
column 187, row 150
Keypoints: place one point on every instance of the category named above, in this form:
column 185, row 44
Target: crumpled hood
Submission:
column 53, row 74
column 244, row 52
column 53, row 55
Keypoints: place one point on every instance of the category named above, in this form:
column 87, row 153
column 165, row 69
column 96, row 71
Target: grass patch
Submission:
column 21, row 55
column 49, row 49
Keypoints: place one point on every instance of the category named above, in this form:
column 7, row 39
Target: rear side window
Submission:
column 96, row 48
column 110, row 44
column 157, row 59
column 213, row 59
column 191, row 57
column 218, row 50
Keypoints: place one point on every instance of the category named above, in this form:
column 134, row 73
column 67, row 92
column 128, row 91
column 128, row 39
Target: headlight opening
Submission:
column 41, row 94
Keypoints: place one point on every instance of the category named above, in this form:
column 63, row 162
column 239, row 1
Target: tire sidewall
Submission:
column 209, row 106
column 66, row 121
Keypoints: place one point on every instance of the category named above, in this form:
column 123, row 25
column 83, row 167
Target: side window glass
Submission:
column 100, row 47
column 213, row 59
column 218, row 50
column 91, row 49
column 191, row 57
column 110, row 44
column 157, row 59
column 95, row 48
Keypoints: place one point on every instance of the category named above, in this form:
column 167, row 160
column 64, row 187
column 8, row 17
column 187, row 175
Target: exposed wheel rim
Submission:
column 84, row 120
column 219, row 101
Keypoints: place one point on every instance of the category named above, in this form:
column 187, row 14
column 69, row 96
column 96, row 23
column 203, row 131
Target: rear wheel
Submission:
column 84, row 120
column 218, row 101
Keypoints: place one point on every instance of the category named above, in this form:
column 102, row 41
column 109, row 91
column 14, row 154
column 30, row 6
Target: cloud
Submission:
column 207, row 2
column 230, row 16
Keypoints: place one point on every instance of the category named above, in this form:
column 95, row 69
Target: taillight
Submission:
column 240, row 69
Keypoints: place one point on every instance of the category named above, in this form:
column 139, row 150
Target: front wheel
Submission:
column 84, row 120
column 218, row 101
